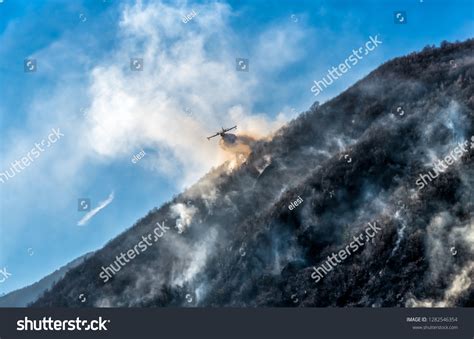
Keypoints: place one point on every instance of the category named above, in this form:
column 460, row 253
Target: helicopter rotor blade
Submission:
column 212, row 136
column 229, row 129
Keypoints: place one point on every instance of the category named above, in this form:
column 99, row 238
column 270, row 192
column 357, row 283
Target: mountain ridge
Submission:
column 243, row 247
column 28, row 294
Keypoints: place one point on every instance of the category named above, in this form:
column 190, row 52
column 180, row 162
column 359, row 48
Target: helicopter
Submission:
column 223, row 132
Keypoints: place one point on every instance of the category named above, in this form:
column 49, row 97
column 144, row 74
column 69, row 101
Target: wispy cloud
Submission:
column 96, row 210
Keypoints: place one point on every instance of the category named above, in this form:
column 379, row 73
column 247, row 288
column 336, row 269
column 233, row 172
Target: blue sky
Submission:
column 84, row 86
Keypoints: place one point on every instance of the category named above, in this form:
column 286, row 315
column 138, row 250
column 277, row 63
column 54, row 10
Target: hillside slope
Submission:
column 354, row 160
column 26, row 295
